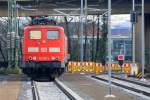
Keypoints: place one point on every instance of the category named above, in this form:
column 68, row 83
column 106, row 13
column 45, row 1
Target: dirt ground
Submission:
column 10, row 86
column 90, row 89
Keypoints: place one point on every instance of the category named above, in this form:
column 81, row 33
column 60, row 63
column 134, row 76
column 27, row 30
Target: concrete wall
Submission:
column 138, row 41
column 147, row 41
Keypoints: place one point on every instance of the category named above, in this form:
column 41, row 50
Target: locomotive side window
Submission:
column 35, row 34
column 52, row 34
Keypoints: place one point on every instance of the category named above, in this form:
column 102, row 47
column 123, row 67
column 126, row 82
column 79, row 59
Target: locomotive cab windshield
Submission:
column 35, row 34
column 52, row 34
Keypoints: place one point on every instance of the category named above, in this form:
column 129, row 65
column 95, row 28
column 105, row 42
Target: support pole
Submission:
column 12, row 32
column 109, row 50
column 81, row 32
column 133, row 34
column 109, row 45
column 17, row 39
column 85, row 28
column 97, row 40
column 93, row 45
column 143, row 41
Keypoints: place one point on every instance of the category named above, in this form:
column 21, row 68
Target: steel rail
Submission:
column 68, row 92
column 34, row 91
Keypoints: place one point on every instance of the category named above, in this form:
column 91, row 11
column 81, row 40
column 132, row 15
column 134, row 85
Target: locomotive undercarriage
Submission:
column 43, row 69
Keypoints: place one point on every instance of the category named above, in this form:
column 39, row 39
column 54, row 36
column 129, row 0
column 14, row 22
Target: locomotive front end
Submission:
column 44, row 50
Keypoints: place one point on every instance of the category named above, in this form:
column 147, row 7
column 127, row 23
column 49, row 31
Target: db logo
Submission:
column 121, row 57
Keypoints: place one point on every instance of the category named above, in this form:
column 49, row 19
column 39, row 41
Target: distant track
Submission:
column 133, row 86
column 131, row 81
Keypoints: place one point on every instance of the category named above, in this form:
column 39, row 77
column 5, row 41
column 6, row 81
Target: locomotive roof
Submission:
column 44, row 26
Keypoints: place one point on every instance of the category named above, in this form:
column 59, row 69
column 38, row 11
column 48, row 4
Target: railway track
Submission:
column 52, row 91
column 138, row 87
column 35, row 93
column 132, row 81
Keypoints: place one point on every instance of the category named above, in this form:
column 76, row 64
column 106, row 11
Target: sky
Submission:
column 120, row 21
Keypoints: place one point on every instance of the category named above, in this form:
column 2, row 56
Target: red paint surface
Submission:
column 45, row 43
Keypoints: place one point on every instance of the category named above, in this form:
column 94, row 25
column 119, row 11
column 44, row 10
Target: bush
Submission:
column 10, row 70
column 2, row 70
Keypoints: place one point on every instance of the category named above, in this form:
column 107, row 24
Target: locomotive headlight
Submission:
column 33, row 49
column 34, row 58
column 54, row 58
column 54, row 49
column 30, row 58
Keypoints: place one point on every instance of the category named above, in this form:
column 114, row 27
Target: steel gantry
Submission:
column 12, row 33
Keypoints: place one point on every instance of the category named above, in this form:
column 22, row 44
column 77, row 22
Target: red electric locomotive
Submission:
column 44, row 50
